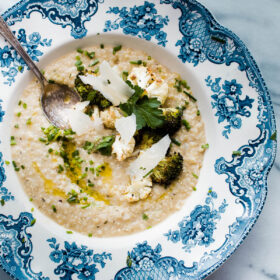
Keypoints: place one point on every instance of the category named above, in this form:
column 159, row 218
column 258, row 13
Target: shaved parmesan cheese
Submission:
column 158, row 90
column 140, row 76
column 149, row 159
column 79, row 121
column 126, row 126
column 110, row 84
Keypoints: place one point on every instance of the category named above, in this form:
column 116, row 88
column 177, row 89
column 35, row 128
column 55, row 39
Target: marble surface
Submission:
column 257, row 23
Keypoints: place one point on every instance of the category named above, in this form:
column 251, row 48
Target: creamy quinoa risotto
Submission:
column 133, row 150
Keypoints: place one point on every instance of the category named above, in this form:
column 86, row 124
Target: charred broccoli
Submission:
column 168, row 169
column 173, row 120
column 146, row 138
column 87, row 93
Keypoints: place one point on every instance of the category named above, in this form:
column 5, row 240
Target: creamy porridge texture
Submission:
column 96, row 178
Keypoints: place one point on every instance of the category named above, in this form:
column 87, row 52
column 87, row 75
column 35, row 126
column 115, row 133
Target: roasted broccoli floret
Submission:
column 145, row 138
column 87, row 93
column 173, row 120
column 168, row 169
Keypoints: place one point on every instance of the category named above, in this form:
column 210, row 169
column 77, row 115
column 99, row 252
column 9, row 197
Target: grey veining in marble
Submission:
column 257, row 23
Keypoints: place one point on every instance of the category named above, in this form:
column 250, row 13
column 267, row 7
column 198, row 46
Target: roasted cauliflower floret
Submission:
column 122, row 150
column 109, row 116
column 138, row 190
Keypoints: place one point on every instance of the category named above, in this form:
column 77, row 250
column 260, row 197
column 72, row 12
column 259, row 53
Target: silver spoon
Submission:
column 55, row 97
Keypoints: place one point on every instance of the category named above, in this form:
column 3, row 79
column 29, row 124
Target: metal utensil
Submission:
column 55, row 97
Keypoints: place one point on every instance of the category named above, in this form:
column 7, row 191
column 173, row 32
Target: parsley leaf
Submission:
column 146, row 109
column 104, row 146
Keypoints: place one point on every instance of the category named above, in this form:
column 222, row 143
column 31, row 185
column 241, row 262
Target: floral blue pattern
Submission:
column 141, row 21
column 228, row 104
column 72, row 13
column 16, row 247
column 74, row 260
column 144, row 262
column 12, row 62
column 198, row 228
column 202, row 41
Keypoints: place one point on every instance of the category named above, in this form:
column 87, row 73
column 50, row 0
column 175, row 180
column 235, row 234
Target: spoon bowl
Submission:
column 55, row 97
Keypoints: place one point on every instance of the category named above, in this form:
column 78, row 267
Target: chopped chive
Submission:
column 124, row 75
column 90, row 55
column 109, row 82
column 145, row 216
column 13, row 141
column 137, row 62
column 198, row 113
column 43, row 71
column 90, row 235
column 80, row 68
column 148, row 227
column 19, row 103
column 60, row 168
column 144, row 63
column 236, row 153
column 42, row 140
column 190, row 96
column 28, row 122
column 32, row 209
column 176, row 142
column 20, row 68
column 195, row 176
column 194, row 188
column 22, row 167
column 18, row 114
column 78, row 63
column 30, row 199
column 51, row 81
column 217, row 39
column 186, row 124
column 205, row 146
column 24, row 105
column 96, row 70
column 96, row 61
column 78, row 57
column 50, row 150
column 54, row 208
column 149, row 57
column 102, row 46
column 91, row 185
column 7, row 162
column 210, row 190
column 86, row 206
column 2, row 202
column 79, row 50
column 16, row 126
column 273, row 136
column 33, row 222
column 117, row 48
column 69, row 232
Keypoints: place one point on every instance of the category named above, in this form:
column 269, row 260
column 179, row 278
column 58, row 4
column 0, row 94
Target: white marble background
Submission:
column 257, row 23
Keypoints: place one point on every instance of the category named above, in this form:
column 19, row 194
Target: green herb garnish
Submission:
column 33, row 222
column 146, row 109
column 205, row 146
column 54, row 208
column 176, row 142
column 117, row 48
column 96, row 61
column 124, row 75
column 195, row 176
column 102, row 46
column 181, row 84
column 104, row 146
column 136, row 62
column 69, row 232
column 190, row 96
column 145, row 216
column 186, row 124
column 273, row 136
column 28, row 122
column 13, row 141
column 236, row 153
column 79, row 50
column 2, row 202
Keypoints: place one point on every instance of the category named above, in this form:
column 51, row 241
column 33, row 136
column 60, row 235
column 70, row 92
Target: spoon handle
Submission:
column 6, row 32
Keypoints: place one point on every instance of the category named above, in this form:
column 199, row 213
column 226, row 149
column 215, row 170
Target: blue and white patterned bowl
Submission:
column 235, row 107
